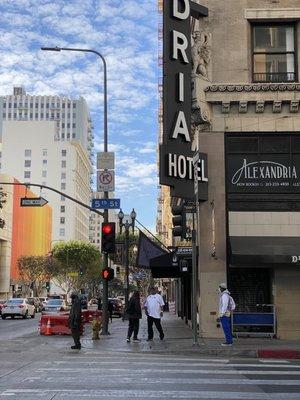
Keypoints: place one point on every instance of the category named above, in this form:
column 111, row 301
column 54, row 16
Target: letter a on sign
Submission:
column 181, row 127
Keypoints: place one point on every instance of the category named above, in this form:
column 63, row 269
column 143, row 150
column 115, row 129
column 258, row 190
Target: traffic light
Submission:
column 108, row 237
column 47, row 286
column 179, row 221
column 107, row 274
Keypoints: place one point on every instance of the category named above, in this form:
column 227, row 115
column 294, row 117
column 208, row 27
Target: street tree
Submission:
column 3, row 196
column 79, row 264
column 35, row 271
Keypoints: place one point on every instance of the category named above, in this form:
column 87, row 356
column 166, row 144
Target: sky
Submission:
column 125, row 33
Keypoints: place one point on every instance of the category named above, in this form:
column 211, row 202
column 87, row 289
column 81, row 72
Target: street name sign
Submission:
column 33, row 202
column 73, row 274
column 105, row 160
column 105, row 181
column 106, row 203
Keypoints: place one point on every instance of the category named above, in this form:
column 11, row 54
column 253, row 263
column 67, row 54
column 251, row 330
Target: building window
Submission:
column 45, row 152
column 63, row 164
column 74, row 125
column 63, row 186
column 274, row 53
column 27, row 174
column 64, row 153
column 45, row 162
column 27, row 153
column 74, row 105
column 62, row 220
column 62, row 198
column 3, row 115
column 36, row 115
column 62, row 232
column 63, row 125
column 63, row 175
column 62, row 209
column 27, row 163
column 44, row 174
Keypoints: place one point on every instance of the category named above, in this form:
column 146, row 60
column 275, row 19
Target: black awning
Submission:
column 165, row 266
column 264, row 251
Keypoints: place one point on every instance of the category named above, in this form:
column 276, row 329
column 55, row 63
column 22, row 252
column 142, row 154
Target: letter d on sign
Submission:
column 294, row 259
column 185, row 13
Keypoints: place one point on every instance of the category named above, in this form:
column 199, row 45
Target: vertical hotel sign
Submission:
column 176, row 156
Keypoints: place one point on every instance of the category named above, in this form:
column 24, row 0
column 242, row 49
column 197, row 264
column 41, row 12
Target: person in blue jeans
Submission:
column 226, row 305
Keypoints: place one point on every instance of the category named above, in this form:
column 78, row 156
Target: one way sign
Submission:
column 33, row 202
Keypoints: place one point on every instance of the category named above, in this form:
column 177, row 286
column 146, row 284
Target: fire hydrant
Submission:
column 96, row 326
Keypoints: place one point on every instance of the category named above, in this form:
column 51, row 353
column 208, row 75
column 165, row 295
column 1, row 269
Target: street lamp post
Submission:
column 105, row 137
column 127, row 225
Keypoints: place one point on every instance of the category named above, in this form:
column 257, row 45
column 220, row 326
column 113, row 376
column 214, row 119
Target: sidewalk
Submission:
column 178, row 340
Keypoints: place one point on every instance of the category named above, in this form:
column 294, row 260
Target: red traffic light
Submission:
column 107, row 274
column 107, row 228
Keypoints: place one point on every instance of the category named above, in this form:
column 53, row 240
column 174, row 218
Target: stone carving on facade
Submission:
column 294, row 106
column 243, row 107
column 260, row 107
column 201, row 54
column 225, row 107
column 255, row 87
column 277, row 105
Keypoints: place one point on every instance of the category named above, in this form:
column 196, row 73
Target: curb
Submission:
column 287, row 354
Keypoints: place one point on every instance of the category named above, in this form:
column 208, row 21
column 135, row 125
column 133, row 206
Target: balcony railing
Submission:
column 275, row 77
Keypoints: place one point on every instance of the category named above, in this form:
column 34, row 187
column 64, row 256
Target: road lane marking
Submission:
column 152, row 394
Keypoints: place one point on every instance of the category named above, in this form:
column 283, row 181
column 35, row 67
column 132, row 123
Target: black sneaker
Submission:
column 128, row 340
column 162, row 337
column 76, row 347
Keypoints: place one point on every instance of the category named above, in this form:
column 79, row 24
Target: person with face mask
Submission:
column 226, row 305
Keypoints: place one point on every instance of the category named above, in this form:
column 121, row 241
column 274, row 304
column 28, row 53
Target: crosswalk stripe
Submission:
column 154, row 381
column 150, row 394
column 142, row 356
column 170, row 364
column 179, row 371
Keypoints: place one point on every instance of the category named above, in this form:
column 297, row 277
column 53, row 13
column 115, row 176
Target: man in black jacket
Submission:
column 75, row 320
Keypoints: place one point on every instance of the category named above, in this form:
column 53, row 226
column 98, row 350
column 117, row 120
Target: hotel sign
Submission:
column 176, row 156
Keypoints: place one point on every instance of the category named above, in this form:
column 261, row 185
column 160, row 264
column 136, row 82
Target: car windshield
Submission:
column 54, row 302
column 15, row 301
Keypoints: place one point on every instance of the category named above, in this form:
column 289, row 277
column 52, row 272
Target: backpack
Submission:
column 231, row 304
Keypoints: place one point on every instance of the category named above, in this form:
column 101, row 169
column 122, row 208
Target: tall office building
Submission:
column 47, row 140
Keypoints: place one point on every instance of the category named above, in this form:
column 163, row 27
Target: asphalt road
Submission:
column 45, row 368
column 18, row 327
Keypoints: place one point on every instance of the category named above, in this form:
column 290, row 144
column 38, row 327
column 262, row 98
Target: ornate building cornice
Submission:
column 255, row 87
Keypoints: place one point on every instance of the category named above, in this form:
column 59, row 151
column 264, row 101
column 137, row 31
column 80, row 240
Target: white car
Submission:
column 18, row 308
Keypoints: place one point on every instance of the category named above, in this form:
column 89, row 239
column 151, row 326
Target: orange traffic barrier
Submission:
column 56, row 324
column 89, row 315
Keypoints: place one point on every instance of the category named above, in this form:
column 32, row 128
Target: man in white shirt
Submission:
column 225, row 308
column 154, row 310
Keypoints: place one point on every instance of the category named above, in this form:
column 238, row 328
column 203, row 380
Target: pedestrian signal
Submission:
column 107, row 274
column 108, row 237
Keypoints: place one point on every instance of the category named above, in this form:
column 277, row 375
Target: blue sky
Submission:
column 125, row 32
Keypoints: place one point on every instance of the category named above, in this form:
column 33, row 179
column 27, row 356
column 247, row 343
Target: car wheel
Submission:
column 26, row 315
column 3, row 316
column 33, row 315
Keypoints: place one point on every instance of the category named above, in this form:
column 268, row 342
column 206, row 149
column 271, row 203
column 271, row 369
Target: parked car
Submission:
column 18, row 307
column 116, row 306
column 37, row 303
column 56, row 305
column 44, row 301
column 2, row 302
